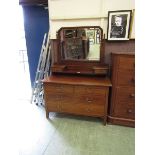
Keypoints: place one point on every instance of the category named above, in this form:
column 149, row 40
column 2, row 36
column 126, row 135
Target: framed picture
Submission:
column 132, row 27
column 119, row 25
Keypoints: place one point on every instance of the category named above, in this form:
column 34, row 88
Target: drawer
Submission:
column 125, row 95
column 124, row 111
column 83, row 109
column 125, row 78
column 91, row 99
column 56, row 102
column 59, row 98
column 84, row 90
column 126, row 63
column 52, row 105
column 59, row 88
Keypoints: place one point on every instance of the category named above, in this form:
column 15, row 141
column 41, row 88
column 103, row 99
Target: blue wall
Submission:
column 36, row 24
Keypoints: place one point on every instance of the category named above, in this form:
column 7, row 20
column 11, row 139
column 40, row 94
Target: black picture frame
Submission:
column 119, row 24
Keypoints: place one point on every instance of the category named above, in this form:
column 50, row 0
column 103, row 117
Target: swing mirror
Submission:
column 80, row 43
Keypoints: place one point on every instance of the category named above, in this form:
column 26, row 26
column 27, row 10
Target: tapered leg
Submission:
column 104, row 120
column 47, row 114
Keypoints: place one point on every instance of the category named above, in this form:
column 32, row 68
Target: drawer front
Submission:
column 59, row 88
column 125, row 78
column 125, row 95
column 61, row 98
column 124, row 111
column 54, row 107
column 126, row 63
column 91, row 99
column 83, row 109
column 94, row 90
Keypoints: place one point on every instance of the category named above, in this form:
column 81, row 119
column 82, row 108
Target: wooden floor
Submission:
column 70, row 135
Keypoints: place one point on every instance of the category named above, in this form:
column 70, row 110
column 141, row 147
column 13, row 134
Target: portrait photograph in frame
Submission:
column 119, row 25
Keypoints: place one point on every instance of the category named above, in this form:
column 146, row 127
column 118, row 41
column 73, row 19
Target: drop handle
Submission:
column 88, row 100
column 130, row 111
column 132, row 95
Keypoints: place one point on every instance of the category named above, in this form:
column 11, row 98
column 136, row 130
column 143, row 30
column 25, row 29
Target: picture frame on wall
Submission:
column 132, row 27
column 119, row 24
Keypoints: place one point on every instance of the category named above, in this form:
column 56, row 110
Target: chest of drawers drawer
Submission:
column 74, row 106
column 125, row 95
column 84, row 109
column 90, row 99
column 91, row 90
column 124, row 111
column 124, row 78
column 126, row 63
column 59, row 98
column 82, row 94
column 58, row 89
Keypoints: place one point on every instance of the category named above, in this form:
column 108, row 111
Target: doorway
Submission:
column 23, row 67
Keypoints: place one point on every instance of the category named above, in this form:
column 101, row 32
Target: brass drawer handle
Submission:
column 89, row 100
column 130, row 111
column 132, row 95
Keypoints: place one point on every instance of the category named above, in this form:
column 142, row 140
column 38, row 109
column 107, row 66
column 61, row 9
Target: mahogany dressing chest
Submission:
column 79, row 83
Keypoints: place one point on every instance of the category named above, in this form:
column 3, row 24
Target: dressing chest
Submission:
column 79, row 83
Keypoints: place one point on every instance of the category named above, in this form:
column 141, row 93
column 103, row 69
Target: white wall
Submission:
column 111, row 5
column 74, row 8
column 83, row 12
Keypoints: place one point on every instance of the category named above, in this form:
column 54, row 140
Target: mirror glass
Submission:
column 81, row 43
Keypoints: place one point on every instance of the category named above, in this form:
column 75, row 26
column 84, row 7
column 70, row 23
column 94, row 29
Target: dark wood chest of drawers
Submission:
column 122, row 105
column 77, row 95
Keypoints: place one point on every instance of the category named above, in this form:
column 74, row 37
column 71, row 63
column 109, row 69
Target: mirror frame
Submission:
column 81, row 62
